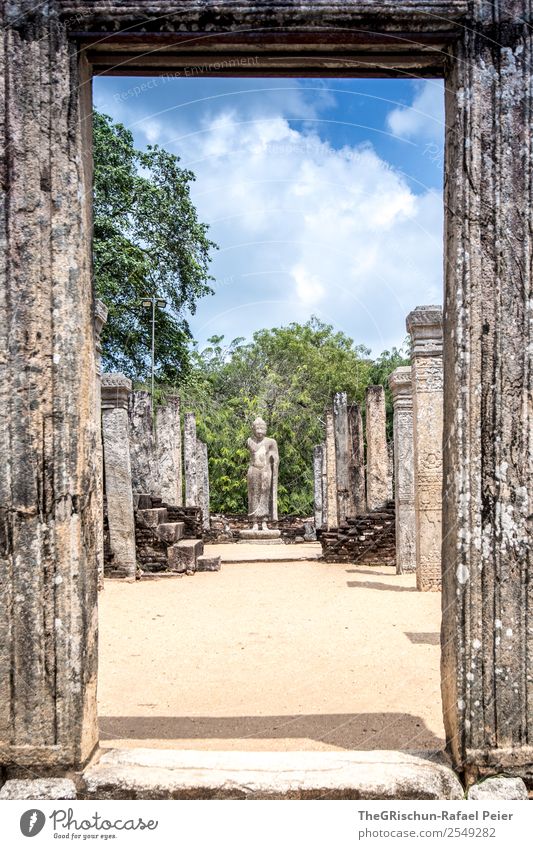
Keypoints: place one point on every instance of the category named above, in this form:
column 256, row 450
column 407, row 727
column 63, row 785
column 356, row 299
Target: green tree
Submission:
column 147, row 241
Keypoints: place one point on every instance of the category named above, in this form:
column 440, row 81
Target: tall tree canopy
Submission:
column 288, row 376
column 147, row 241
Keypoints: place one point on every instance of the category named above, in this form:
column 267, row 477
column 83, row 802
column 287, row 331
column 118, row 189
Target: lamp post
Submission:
column 153, row 302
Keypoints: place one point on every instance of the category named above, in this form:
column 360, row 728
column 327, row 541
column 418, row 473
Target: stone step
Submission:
column 182, row 556
column 152, row 518
column 170, row 532
column 208, row 563
column 167, row 774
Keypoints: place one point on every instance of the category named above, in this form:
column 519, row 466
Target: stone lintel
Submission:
column 116, row 389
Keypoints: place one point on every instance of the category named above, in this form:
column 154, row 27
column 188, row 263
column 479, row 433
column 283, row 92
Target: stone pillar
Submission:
column 425, row 327
column 168, row 451
column 331, row 472
column 49, row 439
column 144, row 467
column 377, row 464
column 117, row 466
column 487, row 655
column 357, row 465
column 189, row 451
column 343, row 458
column 404, row 482
column 318, row 472
column 390, row 471
column 100, row 318
column 202, row 476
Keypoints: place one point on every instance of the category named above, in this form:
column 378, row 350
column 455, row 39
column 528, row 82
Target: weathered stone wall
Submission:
column 116, row 390
column 168, row 451
column 425, row 326
column 369, row 538
column 404, row 482
column 377, row 464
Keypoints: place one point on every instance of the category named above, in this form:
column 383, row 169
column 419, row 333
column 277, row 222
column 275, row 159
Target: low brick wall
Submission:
column 225, row 528
column 370, row 538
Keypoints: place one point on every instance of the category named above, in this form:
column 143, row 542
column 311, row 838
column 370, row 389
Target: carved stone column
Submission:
column 343, row 458
column 189, row 451
column 202, row 475
column 117, row 464
column 377, row 463
column 143, row 451
column 318, row 463
column 487, row 657
column 357, row 470
column 425, row 327
column 168, row 451
column 404, row 481
column 100, row 318
column 331, row 472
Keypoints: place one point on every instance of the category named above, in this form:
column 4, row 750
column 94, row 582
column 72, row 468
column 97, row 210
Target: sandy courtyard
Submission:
column 278, row 655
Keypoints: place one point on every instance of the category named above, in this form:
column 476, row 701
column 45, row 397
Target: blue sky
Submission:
column 324, row 196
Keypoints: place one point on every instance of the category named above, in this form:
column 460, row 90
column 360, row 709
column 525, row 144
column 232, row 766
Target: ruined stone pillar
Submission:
column 49, row 439
column 144, row 467
column 343, row 458
column 331, row 472
column 357, row 465
column 404, row 483
column 318, row 472
column 202, row 476
column 117, row 465
column 100, row 318
column 168, row 451
column 487, row 656
column 377, row 464
column 425, row 327
column 189, row 451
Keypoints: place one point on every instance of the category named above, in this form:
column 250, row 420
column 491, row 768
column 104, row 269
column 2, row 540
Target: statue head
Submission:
column 259, row 427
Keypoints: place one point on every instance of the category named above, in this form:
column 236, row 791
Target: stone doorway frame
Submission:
column 49, row 473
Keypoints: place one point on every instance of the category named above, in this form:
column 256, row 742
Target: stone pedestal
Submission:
column 377, row 464
column 190, row 457
column 357, row 470
column 267, row 537
column 118, row 484
column 425, row 327
column 168, row 451
column 404, row 483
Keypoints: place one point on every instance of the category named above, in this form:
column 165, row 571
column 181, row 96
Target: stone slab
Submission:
column 207, row 563
column 250, row 552
column 164, row 774
column 182, row 555
column 38, row 788
column 152, row 518
column 499, row 787
column 259, row 542
column 170, row 532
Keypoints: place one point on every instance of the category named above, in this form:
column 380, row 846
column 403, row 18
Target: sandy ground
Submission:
column 271, row 656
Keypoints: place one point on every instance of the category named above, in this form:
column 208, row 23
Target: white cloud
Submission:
column 424, row 118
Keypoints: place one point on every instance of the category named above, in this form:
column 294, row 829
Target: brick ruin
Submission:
column 51, row 472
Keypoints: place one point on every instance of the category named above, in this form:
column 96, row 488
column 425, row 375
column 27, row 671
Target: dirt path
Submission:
column 271, row 656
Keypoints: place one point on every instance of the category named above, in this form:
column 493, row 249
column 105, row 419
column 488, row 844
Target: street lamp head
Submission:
column 161, row 303
column 146, row 302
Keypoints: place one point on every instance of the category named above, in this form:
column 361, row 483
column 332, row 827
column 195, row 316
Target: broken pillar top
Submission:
column 424, row 324
column 116, row 389
column 400, row 382
column 375, row 389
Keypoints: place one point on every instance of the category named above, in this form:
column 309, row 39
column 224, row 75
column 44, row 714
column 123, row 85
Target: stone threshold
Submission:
column 190, row 774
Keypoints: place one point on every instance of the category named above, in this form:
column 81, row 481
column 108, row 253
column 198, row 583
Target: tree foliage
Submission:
column 288, row 376
column 147, row 241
